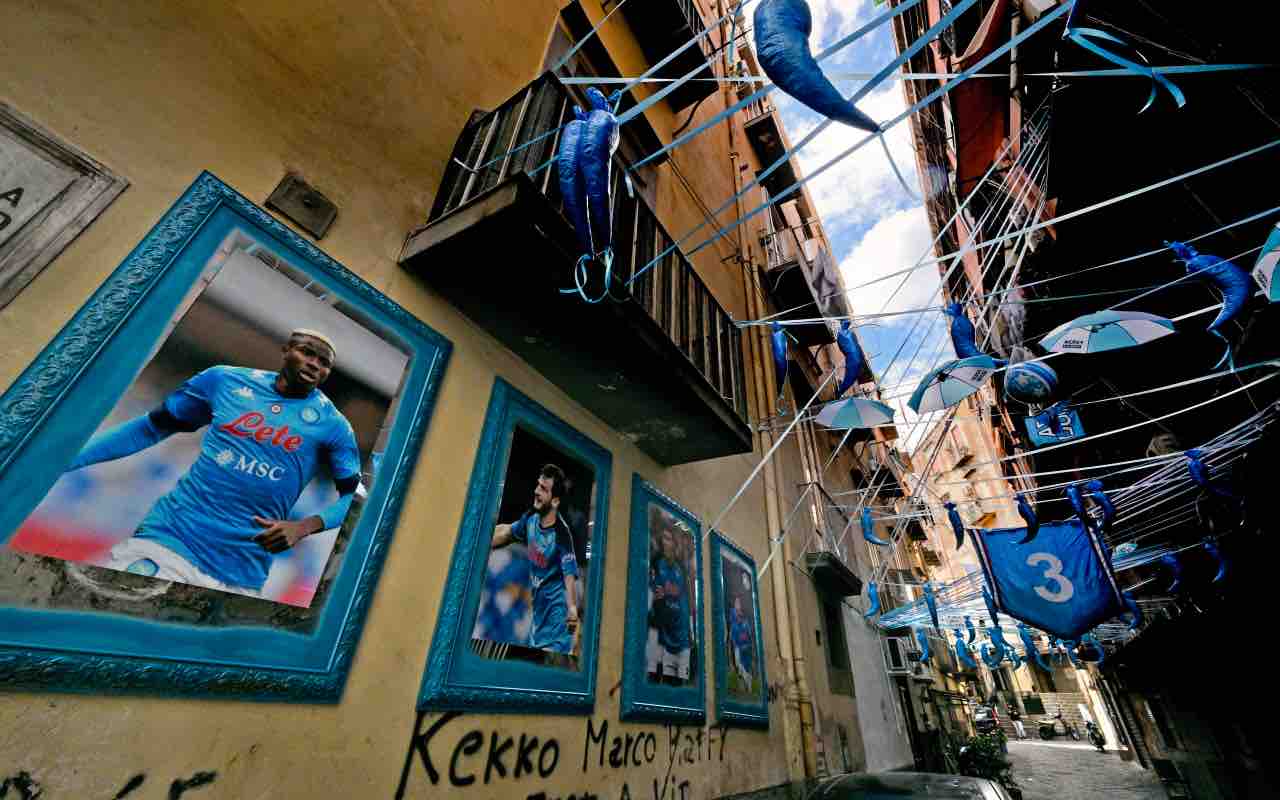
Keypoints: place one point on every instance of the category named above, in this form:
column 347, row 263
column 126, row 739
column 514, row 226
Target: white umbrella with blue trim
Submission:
column 1264, row 270
column 1106, row 330
column 854, row 412
column 951, row 383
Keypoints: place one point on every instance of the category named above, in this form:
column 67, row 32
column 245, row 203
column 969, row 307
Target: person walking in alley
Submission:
column 1016, row 718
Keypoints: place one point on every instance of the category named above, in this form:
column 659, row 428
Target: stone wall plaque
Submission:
column 49, row 192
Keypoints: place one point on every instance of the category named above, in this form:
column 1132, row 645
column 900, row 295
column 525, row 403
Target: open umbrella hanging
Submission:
column 854, row 412
column 1264, row 269
column 951, row 383
column 1106, row 330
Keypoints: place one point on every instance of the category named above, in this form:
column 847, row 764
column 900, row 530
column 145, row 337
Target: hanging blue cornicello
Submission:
column 778, row 338
column 1224, row 564
column 1226, row 277
column 1174, row 565
column 873, row 601
column 854, row 359
column 1033, row 649
column 962, row 651
column 932, row 602
column 968, row 626
column 923, row 641
column 585, row 162
column 1199, row 472
column 1055, row 424
column 957, row 524
column 782, row 29
column 963, row 337
column 869, row 529
column 1062, row 583
column 1092, row 641
column 1028, row 515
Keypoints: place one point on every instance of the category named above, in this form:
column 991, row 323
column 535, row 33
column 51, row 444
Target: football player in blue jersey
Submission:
column 267, row 433
column 553, row 563
column 741, row 644
column 668, row 656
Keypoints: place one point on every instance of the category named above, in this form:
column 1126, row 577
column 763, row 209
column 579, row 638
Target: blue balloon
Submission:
column 1030, row 382
column 1234, row 283
column 778, row 338
column 963, row 337
column 782, row 29
column 585, row 163
column 1028, row 514
column 869, row 529
column 599, row 143
column 924, row 646
column 874, row 597
column 957, row 524
column 854, row 360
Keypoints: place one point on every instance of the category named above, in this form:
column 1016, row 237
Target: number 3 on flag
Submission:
column 1064, row 591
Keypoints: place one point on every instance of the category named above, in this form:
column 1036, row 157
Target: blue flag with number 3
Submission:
column 1060, row 583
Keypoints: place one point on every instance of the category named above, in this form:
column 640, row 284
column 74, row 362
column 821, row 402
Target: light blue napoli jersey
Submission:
column 671, row 613
column 259, row 451
column 551, row 558
column 740, row 635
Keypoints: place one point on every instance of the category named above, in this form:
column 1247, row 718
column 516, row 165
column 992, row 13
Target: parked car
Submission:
column 986, row 719
column 872, row 786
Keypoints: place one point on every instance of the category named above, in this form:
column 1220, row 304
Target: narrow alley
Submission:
column 1061, row 771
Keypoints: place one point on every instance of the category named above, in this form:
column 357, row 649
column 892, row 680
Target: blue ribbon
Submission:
column 1082, row 36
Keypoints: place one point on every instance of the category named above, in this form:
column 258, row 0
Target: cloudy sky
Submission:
column 875, row 227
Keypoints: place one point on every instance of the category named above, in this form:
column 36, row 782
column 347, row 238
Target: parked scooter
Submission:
column 1049, row 727
column 1095, row 736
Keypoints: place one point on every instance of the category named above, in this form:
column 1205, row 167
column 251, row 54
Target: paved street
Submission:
column 1062, row 771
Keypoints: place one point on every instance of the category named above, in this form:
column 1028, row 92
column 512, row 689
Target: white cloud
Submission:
column 893, row 243
column 861, row 186
column 835, row 19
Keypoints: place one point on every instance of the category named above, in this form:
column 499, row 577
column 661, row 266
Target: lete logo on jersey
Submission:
column 249, row 425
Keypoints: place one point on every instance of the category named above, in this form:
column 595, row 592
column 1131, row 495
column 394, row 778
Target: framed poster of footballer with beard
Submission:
column 209, row 458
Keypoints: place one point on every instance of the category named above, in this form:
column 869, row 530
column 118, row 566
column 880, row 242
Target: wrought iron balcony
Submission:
column 662, row 364
column 661, row 27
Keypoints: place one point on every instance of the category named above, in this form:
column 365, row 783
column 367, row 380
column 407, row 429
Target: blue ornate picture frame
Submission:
column 664, row 697
column 460, row 674
column 59, row 400
column 733, row 576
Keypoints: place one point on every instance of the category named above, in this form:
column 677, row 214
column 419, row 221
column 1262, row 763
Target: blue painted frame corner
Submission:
column 731, row 711
column 67, row 390
column 455, row 677
column 642, row 699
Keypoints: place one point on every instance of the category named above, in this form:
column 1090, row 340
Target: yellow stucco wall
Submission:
column 365, row 101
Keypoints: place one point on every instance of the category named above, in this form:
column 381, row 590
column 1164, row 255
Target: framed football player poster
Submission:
column 203, row 470
column 664, row 655
column 741, row 685
column 520, row 619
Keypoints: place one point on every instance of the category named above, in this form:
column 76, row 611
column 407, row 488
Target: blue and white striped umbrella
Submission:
column 1106, row 330
column 1264, row 270
column 854, row 412
column 950, row 383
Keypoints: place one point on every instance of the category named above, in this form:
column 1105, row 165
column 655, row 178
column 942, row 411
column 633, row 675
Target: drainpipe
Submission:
column 797, row 705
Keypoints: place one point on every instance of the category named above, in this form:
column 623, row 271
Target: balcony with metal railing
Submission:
column 662, row 363
column 662, row 27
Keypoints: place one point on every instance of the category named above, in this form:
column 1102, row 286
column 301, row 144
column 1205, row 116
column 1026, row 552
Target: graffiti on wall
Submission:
column 485, row 757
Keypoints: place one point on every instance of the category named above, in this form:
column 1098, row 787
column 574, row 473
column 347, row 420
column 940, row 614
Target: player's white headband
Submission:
column 316, row 335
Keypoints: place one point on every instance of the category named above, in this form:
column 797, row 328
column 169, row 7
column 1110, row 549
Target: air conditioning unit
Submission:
column 895, row 655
